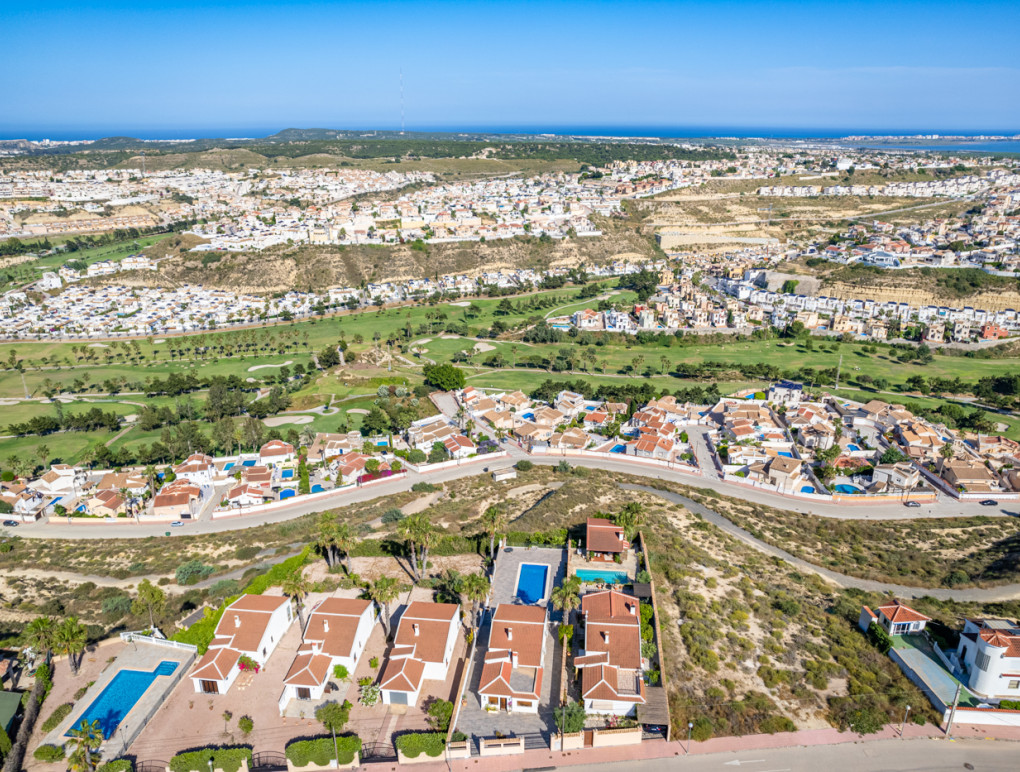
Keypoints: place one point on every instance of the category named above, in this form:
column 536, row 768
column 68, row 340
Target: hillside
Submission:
column 313, row 267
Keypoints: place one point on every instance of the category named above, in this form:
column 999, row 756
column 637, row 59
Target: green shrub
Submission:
column 414, row 744
column 320, row 750
column 227, row 759
column 49, row 753
column 117, row 765
column 58, row 715
column 879, row 637
column 524, row 465
column 423, row 487
column 340, row 672
column 192, row 571
column 392, row 515
column 1009, row 704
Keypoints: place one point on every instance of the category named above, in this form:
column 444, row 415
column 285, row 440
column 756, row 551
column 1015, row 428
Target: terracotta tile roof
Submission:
column 216, row 664
column 244, row 621
column 308, row 670
column 520, row 629
column 605, row 682
column 898, row 612
column 603, row 536
column 334, row 623
column 402, row 675
column 432, row 623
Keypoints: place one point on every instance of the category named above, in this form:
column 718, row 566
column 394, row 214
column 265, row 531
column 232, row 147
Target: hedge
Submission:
column 117, row 765
column 429, row 743
column 58, row 715
column 320, row 750
column 227, row 759
column 49, row 753
column 201, row 633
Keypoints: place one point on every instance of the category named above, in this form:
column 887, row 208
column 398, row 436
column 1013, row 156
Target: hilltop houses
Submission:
column 422, row 650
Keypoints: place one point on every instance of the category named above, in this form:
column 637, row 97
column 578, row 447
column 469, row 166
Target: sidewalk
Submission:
column 658, row 749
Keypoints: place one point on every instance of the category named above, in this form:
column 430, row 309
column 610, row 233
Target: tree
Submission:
column 346, row 540
column 570, row 718
column 39, row 635
column 151, row 599
column 296, row 587
column 630, row 518
column 246, row 725
column 565, row 599
column 444, row 377
column 439, row 714
column 376, row 422
column 334, row 715
column 384, row 591
column 475, row 587
column 494, row 520
column 87, row 738
column 70, row 638
column 947, row 451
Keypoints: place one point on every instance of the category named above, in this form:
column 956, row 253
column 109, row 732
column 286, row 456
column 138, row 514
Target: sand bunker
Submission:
column 280, row 420
column 253, row 368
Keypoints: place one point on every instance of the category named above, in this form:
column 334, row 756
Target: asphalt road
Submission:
column 934, row 755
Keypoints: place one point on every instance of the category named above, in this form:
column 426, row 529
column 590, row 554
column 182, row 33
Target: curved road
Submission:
column 83, row 530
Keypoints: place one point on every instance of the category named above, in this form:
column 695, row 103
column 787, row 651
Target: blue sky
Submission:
column 118, row 67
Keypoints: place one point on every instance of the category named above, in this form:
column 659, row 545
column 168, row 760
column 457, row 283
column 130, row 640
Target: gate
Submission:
column 378, row 752
column 151, row 766
column 268, row 761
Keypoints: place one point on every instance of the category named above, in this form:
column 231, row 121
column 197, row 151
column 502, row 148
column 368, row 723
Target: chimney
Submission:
column 633, row 609
column 509, row 634
column 325, row 625
column 415, row 627
column 237, row 621
column 605, row 636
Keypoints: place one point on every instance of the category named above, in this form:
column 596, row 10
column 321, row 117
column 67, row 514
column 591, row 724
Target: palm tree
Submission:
column 70, row 638
column 408, row 530
column 565, row 599
column 150, row 472
column 494, row 520
column 326, row 537
column 475, row 587
column 297, row 587
column 384, row 591
column 87, row 739
column 38, row 634
column 307, row 436
column 345, row 540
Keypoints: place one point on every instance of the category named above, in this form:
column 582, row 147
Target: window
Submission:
column 1014, row 684
column 523, row 703
column 210, row 687
column 981, row 660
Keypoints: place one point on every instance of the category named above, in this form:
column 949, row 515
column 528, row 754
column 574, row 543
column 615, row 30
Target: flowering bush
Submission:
column 248, row 665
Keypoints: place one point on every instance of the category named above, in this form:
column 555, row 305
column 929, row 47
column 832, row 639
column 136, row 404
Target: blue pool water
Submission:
column 618, row 449
column 249, row 462
column 228, row 467
column 852, row 447
column 591, row 575
column 317, row 488
column 531, row 582
column 528, row 416
column 288, row 493
column 287, row 474
column 850, row 489
column 785, row 454
column 120, row 695
column 807, row 489
column 382, row 444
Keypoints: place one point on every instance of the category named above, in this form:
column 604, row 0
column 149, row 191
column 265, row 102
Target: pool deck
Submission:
column 508, row 562
column 628, row 566
column 136, row 655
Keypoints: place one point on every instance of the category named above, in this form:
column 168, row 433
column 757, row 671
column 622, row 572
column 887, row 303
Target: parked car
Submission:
column 10, row 523
column 912, row 504
column 176, row 524
column 989, row 503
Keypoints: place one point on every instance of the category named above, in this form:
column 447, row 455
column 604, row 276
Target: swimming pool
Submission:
column 120, row 695
column 785, row 454
column 249, row 462
column 317, row 488
column 593, row 575
column 850, row 489
column 287, row 474
column 852, row 448
column 618, row 449
column 807, row 489
column 229, row 466
column 531, row 582
column 288, row 493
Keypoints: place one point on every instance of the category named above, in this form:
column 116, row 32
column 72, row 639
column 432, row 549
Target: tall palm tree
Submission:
column 87, row 739
column 494, row 520
column 39, row 635
column 475, row 587
column 326, row 537
column 565, row 599
column 307, row 436
column 297, row 587
column 345, row 540
column 384, row 591
column 410, row 529
column 70, row 638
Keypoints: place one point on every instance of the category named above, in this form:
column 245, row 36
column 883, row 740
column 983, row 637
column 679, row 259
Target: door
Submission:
column 210, row 687
column 398, row 698
column 589, row 738
column 502, row 703
column 304, row 693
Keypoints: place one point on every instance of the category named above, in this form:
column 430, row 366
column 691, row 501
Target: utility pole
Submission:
column 952, row 713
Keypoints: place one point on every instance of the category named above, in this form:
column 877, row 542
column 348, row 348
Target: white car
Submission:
column 176, row 524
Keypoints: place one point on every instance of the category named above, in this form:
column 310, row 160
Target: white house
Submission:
column 336, row 634
column 251, row 626
column 197, row 468
column 514, row 664
column 988, row 658
column 895, row 617
column 786, row 393
column 459, row 446
column 276, row 452
column 611, row 663
column 422, row 650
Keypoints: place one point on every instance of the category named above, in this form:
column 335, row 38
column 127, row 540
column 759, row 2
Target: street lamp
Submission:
column 907, row 713
column 690, row 731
